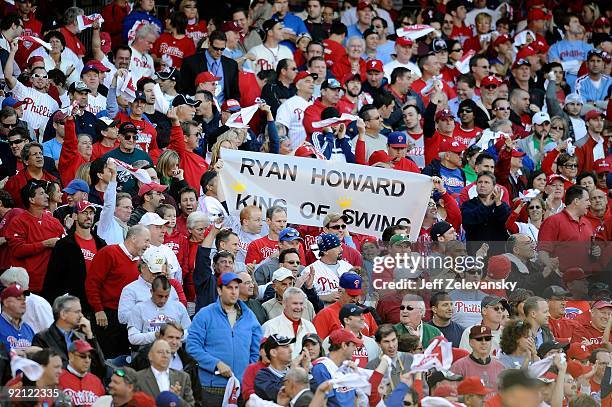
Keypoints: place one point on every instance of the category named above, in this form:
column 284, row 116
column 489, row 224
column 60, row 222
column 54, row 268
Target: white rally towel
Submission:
column 127, row 87
column 31, row 38
column 30, row 369
column 463, row 65
column 438, row 402
column 88, row 21
column 256, row 401
column 69, row 110
column 140, row 174
column 430, row 359
column 529, row 195
column 538, row 368
column 241, row 119
column 489, row 135
column 232, row 392
column 414, row 32
column 345, row 117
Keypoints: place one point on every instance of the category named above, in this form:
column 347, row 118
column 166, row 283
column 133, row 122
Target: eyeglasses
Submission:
column 217, row 49
column 129, row 137
column 560, row 128
column 501, row 109
column 14, row 142
column 484, row 339
column 570, row 165
column 406, row 307
column 39, row 76
column 9, row 125
column 337, row 227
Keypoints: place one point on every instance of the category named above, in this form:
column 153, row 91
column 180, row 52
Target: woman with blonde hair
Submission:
column 480, row 42
column 196, row 28
column 225, row 140
column 170, row 173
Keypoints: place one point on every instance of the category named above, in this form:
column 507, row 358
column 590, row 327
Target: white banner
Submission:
column 372, row 198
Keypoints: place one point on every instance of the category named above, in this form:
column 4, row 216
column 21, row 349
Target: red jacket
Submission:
column 313, row 114
column 193, row 164
column 114, row 15
column 73, row 42
column 83, row 391
column 342, row 67
column 70, row 158
column 333, row 52
column 111, row 269
column 25, row 235
column 585, row 154
column 16, row 182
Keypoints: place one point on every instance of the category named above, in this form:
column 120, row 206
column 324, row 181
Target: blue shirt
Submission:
column 453, row 182
column 384, row 51
column 337, row 397
column 14, row 338
column 354, row 31
column 67, row 336
column 293, row 22
column 52, row 148
column 215, row 68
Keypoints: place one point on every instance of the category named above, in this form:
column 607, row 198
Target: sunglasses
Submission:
column 406, row 307
column 217, row 49
column 560, row 128
column 535, row 207
column 9, row 125
column 466, row 111
column 84, row 356
column 129, row 137
column 570, row 166
column 501, row 109
column 14, row 142
column 39, row 76
column 338, row 227
column 293, row 262
column 483, row 339
column 490, row 87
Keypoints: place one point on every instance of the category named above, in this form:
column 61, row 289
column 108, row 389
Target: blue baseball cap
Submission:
column 327, row 241
column 289, row 235
column 75, row 186
column 227, row 278
column 351, row 282
column 12, row 102
column 167, row 399
column 397, row 139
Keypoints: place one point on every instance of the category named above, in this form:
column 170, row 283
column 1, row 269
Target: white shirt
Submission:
column 389, row 67
column 37, row 106
column 267, row 58
column 109, row 227
column 134, row 293
column 95, row 104
column 598, row 150
column 327, row 277
column 162, row 379
column 70, row 62
column 291, row 115
column 141, row 65
column 281, row 325
column 146, row 319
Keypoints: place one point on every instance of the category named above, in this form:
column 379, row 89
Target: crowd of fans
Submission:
column 127, row 282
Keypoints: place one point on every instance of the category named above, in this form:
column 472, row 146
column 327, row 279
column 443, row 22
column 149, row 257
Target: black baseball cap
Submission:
column 441, row 375
column 550, row 345
column 438, row 229
column 127, row 127
column 276, row 340
column 185, row 100
column 349, row 310
column 172, row 74
column 490, row 300
column 140, row 96
column 104, row 123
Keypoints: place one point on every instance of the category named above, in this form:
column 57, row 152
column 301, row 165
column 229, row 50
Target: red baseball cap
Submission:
column 35, row 59
column 362, row 5
column 451, row 145
column 340, row 336
column 443, row 115
column 501, row 39
column 99, row 65
column 537, row 13
column 525, row 52
column 601, row 304
column 379, row 156
column 231, row 105
column 153, row 186
column 13, row 290
column 404, row 42
column 593, row 114
column 490, row 80
column 555, row 177
column 307, row 150
column 204, row 77
column 573, row 274
column 602, row 165
column 517, row 153
column 498, row 267
column 82, row 205
column 445, row 390
column 473, row 385
column 304, row 74
column 230, row 26
column 540, row 46
column 80, row 346
column 374, row 65
column 58, row 116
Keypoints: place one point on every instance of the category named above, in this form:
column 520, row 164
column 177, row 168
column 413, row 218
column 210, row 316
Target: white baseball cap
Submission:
column 151, row 218
column 540, row 117
column 281, row 274
column 154, row 259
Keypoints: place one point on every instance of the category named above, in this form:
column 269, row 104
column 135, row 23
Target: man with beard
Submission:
column 350, row 101
column 540, row 134
column 442, row 312
column 72, row 256
column 595, row 146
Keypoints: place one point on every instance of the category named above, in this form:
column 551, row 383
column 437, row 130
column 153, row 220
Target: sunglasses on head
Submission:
column 406, row 307
column 121, row 373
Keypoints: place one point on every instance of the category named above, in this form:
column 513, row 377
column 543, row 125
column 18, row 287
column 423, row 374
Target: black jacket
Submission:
column 204, row 279
column 275, row 93
column 53, row 338
column 66, row 270
column 484, row 224
column 85, row 123
column 196, row 63
column 190, row 366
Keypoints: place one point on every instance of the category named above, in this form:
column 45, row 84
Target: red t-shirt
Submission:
column 147, row 135
column 461, row 33
column 328, row 320
column 196, row 31
column 588, row 335
column 98, row 150
column 466, row 137
column 567, row 239
column 177, row 49
column 88, row 248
